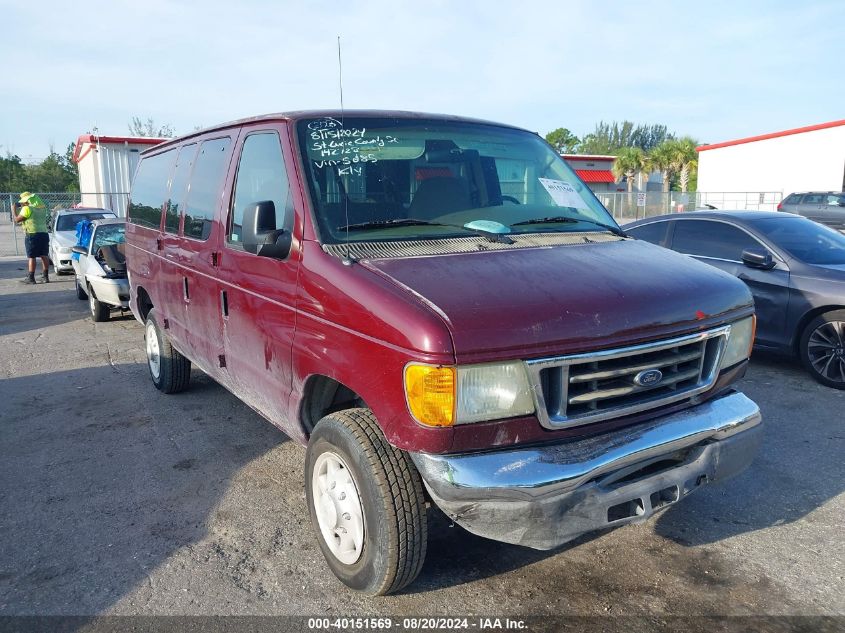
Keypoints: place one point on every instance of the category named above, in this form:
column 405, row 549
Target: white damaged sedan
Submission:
column 101, row 268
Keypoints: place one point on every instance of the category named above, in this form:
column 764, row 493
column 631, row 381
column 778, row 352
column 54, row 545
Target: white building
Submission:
column 595, row 171
column 106, row 166
column 774, row 165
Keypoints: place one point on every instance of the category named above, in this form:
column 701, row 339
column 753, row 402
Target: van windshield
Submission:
column 395, row 178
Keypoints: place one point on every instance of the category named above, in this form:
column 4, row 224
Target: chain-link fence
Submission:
column 12, row 236
column 627, row 207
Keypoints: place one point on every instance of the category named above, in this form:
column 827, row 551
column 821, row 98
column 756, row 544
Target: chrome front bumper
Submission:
column 547, row 495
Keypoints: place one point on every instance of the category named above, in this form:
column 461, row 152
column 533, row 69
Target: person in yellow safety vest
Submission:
column 33, row 218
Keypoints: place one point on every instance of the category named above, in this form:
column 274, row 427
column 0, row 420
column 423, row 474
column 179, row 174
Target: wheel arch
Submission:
column 322, row 395
column 144, row 303
column 805, row 320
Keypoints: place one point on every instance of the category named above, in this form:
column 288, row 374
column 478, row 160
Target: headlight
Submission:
column 443, row 396
column 740, row 340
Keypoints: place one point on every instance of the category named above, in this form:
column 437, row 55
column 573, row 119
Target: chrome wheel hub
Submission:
column 826, row 350
column 338, row 507
column 153, row 352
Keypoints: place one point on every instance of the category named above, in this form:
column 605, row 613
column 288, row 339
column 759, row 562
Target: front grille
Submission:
column 583, row 388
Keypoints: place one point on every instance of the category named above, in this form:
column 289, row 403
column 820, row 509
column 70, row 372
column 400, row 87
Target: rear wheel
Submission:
column 366, row 503
column 80, row 291
column 169, row 370
column 99, row 311
column 822, row 349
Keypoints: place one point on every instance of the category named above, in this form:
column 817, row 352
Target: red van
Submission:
column 443, row 313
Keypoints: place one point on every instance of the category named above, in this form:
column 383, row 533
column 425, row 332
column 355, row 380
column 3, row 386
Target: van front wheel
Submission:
column 366, row 503
column 169, row 370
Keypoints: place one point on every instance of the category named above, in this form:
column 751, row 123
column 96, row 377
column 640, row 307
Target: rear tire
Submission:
column 99, row 311
column 169, row 370
column 80, row 291
column 366, row 504
column 822, row 349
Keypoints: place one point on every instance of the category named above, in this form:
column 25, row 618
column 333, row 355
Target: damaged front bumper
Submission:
column 544, row 496
column 111, row 290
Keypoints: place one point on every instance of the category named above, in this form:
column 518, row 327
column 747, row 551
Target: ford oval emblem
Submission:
column 648, row 377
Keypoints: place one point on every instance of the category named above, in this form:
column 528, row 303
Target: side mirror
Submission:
column 81, row 250
column 260, row 235
column 758, row 258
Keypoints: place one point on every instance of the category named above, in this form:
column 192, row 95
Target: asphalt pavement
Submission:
column 116, row 499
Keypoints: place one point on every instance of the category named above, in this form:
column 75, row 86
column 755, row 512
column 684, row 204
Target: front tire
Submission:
column 822, row 349
column 169, row 370
column 366, row 504
column 80, row 291
column 99, row 310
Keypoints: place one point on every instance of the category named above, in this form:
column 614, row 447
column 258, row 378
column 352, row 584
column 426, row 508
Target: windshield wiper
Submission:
column 565, row 219
column 556, row 219
column 380, row 224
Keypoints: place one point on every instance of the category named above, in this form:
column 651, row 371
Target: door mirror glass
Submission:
column 758, row 258
column 260, row 235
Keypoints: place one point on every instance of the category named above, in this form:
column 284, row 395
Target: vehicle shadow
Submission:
column 798, row 469
column 457, row 557
column 92, row 503
column 18, row 311
column 14, row 268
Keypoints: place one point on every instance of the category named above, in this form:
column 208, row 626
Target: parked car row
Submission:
column 90, row 243
column 63, row 237
column 794, row 267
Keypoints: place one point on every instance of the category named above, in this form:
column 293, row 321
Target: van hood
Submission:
column 564, row 299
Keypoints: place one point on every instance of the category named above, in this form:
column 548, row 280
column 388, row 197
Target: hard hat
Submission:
column 25, row 196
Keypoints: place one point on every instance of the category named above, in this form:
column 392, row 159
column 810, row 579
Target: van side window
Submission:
column 149, row 189
column 178, row 187
column 261, row 176
column 204, row 190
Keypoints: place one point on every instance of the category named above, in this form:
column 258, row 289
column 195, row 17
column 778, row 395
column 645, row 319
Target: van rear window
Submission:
column 149, row 190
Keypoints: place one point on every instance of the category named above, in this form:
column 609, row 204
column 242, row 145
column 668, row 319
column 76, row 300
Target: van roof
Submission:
column 336, row 114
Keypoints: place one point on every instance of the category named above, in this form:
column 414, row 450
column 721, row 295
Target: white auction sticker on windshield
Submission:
column 563, row 193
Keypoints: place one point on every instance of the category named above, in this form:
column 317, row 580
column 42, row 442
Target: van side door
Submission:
column 260, row 292
column 198, row 254
column 172, row 278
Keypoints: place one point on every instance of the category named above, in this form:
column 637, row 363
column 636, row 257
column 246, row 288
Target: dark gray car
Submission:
column 795, row 269
column 827, row 207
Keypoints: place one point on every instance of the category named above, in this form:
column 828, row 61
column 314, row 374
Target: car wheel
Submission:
column 99, row 310
column 80, row 291
column 169, row 370
column 822, row 349
column 366, row 503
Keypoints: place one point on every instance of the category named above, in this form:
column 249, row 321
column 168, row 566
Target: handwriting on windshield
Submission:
column 344, row 148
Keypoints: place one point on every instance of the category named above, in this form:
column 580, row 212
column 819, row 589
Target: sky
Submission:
column 712, row 70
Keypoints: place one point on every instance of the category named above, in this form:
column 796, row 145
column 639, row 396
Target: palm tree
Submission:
column 685, row 159
column 664, row 159
column 629, row 162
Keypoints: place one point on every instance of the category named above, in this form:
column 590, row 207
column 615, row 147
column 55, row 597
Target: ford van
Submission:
column 443, row 314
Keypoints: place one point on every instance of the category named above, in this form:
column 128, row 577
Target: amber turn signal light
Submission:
column 430, row 392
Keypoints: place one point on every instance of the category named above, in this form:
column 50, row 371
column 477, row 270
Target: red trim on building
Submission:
column 763, row 137
column 595, row 175
column 111, row 140
column 587, row 157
